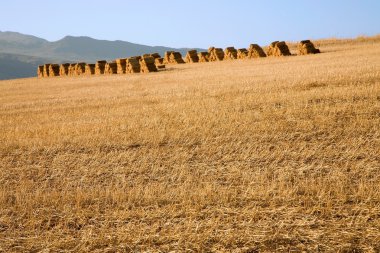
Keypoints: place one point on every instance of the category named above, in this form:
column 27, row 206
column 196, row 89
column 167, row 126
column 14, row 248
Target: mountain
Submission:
column 19, row 66
column 19, row 53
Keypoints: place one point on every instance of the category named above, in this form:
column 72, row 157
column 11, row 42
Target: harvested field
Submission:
column 274, row 155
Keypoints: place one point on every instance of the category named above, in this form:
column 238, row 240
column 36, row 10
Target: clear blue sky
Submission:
column 192, row 23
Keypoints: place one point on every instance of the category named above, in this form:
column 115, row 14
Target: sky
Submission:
column 192, row 23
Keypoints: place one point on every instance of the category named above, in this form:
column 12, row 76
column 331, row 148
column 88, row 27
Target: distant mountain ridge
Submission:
column 16, row 47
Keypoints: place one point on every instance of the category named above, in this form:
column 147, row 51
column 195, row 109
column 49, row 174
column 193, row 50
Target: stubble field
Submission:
column 267, row 155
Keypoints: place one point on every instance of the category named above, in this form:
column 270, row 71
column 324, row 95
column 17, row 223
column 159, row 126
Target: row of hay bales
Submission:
column 153, row 62
column 137, row 64
column 277, row 48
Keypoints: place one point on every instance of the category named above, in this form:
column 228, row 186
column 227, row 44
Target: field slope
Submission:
column 269, row 155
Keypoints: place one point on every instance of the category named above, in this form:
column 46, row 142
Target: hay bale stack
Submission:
column 242, row 53
column 110, row 68
column 133, row 65
column 172, row 57
column 46, row 70
column 40, row 71
column 71, row 69
column 147, row 65
column 80, row 69
column 99, row 67
column 156, row 55
column 54, row 70
column 271, row 48
column 167, row 57
column 307, row 47
column 278, row 49
column 159, row 62
column 121, row 66
column 203, row 56
column 90, row 69
column 64, row 69
column 216, row 54
column 176, row 58
column 230, row 53
column 255, row 51
column 192, row 56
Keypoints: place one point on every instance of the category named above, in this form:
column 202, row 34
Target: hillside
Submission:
column 20, row 66
column 68, row 49
column 267, row 155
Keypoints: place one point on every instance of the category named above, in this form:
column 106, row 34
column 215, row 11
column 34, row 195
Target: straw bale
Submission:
column 203, row 56
column 46, row 70
column 156, row 55
column 242, row 53
column 192, row 56
column 71, row 69
column 64, row 69
column 172, row 57
column 159, row 63
column 80, row 69
column 90, row 69
column 99, row 67
column 307, row 47
column 133, row 65
column 147, row 65
column 255, row 51
column 121, row 66
column 40, row 71
column 216, row 54
column 167, row 57
column 110, row 68
column 54, row 70
column 278, row 49
column 176, row 58
column 230, row 53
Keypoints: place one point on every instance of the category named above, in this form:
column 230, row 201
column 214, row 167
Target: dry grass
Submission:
column 264, row 155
